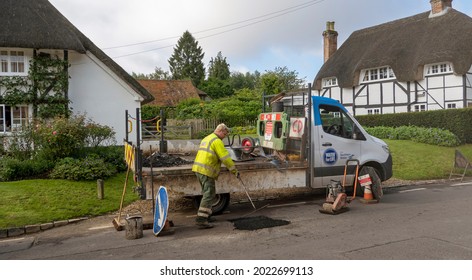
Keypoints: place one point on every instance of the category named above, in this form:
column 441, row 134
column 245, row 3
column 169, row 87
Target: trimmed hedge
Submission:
column 89, row 168
column 457, row 121
column 12, row 169
column 432, row 136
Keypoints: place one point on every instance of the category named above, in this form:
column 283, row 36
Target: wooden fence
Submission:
column 179, row 129
column 183, row 129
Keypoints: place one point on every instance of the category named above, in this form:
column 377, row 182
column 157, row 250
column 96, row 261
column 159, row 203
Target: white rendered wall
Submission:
column 100, row 94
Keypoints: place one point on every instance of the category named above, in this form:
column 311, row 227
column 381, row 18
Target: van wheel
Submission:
column 221, row 203
column 376, row 182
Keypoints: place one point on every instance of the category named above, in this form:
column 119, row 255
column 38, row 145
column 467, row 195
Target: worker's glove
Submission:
column 237, row 174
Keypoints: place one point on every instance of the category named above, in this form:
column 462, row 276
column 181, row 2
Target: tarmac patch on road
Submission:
column 258, row 222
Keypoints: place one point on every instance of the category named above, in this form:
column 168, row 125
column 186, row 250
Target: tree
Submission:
column 218, row 84
column 187, row 60
column 217, row 88
column 280, row 79
column 219, row 68
column 158, row 74
column 245, row 81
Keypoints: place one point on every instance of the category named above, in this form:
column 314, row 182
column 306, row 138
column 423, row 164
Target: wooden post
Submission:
column 100, row 189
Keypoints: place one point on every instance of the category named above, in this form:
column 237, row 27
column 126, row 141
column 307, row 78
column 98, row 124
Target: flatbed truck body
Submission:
column 307, row 149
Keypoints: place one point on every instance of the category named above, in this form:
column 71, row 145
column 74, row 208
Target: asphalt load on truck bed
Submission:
column 163, row 160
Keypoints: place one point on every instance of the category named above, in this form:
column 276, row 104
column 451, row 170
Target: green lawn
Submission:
column 416, row 161
column 38, row 201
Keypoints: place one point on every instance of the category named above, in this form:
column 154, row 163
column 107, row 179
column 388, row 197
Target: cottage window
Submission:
column 420, row 108
column 439, row 68
column 12, row 62
column 373, row 112
column 451, row 106
column 378, row 74
column 330, row 82
column 13, row 118
column 4, row 61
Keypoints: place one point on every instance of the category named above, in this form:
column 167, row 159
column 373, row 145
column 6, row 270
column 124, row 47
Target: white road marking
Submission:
column 11, row 240
column 462, row 184
column 413, row 190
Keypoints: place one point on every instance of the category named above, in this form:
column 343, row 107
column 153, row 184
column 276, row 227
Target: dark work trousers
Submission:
column 209, row 192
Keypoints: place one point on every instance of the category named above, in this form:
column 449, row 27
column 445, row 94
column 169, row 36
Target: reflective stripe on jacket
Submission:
column 210, row 155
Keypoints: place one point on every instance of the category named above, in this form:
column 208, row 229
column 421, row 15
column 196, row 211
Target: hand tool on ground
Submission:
column 117, row 221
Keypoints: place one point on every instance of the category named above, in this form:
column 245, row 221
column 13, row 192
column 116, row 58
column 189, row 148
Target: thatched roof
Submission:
column 169, row 93
column 37, row 24
column 406, row 45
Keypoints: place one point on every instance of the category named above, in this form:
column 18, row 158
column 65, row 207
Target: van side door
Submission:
column 337, row 142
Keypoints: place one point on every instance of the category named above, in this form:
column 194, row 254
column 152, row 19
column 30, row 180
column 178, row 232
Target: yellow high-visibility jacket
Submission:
column 210, row 155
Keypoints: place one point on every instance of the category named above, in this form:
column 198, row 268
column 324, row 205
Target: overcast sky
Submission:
column 252, row 34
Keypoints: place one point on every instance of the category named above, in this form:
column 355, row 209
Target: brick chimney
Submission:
column 440, row 6
column 330, row 40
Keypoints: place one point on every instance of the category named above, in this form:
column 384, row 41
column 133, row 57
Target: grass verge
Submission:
column 31, row 202
column 416, row 161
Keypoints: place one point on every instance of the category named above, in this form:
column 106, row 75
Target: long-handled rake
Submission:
column 252, row 203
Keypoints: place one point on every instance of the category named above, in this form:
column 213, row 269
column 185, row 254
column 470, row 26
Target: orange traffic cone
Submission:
column 366, row 182
column 368, row 193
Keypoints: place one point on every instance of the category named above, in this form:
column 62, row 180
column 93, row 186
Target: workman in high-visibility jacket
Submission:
column 210, row 155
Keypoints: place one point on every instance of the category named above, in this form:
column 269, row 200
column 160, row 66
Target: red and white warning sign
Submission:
column 297, row 127
column 269, row 127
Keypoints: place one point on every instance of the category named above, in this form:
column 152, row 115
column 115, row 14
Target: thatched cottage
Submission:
column 96, row 85
column 418, row 63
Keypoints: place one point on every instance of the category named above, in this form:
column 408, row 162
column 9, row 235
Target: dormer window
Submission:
column 439, row 68
column 377, row 74
column 330, row 82
column 12, row 62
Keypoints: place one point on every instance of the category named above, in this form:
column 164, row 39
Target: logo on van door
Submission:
column 330, row 156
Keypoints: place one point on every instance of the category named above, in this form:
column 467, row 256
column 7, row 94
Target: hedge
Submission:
column 457, row 121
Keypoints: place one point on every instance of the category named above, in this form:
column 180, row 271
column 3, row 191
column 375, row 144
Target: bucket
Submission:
column 278, row 106
column 134, row 227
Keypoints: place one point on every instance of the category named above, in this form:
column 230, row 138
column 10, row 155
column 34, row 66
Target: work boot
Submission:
column 204, row 225
column 211, row 219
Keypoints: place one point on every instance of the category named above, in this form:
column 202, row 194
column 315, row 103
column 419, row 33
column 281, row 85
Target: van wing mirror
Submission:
column 357, row 134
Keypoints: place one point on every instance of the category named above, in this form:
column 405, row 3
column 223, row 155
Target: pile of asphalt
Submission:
column 163, row 160
column 257, row 222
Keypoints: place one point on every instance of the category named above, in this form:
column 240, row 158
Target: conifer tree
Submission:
column 187, row 60
column 219, row 68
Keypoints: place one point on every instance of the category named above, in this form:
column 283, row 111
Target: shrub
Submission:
column 61, row 137
column 456, row 121
column 97, row 135
column 243, row 130
column 204, row 133
column 433, row 136
column 58, row 138
column 113, row 155
column 90, row 168
column 12, row 169
column 20, row 145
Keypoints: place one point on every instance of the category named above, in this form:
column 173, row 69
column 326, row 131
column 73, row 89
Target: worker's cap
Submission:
column 223, row 128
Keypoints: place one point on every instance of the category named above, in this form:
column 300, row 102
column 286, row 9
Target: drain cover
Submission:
column 258, row 222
